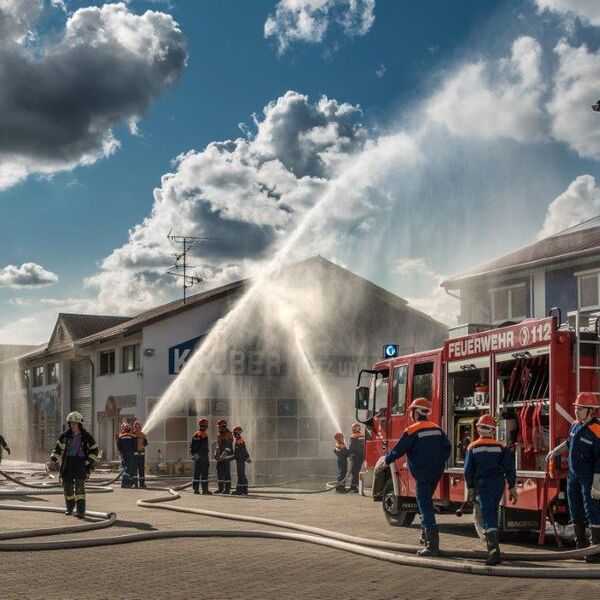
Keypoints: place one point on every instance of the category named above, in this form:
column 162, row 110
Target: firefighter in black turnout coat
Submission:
column 224, row 456
column 3, row 446
column 199, row 454
column 357, row 453
column 241, row 457
column 75, row 456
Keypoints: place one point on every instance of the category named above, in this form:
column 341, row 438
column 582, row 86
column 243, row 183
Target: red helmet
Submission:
column 587, row 400
column 487, row 421
column 355, row 426
column 237, row 428
column 421, row 405
column 203, row 422
column 125, row 426
column 338, row 437
column 222, row 423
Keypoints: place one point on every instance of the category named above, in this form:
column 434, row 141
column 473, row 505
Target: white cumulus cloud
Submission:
column 309, row 20
column 28, row 275
column 495, row 99
column 586, row 10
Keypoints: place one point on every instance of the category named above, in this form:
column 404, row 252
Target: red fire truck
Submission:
column 527, row 375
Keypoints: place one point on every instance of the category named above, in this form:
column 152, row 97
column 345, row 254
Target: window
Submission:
column 52, row 373
column 107, row 362
column 589, row 296
column 399, row 390
column 38, row 376
column 423, row 380
column 131, row 358
column 509, row 303
column 378, row 392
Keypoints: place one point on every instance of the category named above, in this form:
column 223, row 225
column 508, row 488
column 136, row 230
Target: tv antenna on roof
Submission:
column 185, row 243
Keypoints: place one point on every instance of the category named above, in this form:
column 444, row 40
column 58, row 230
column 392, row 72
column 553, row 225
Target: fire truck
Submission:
column 525, row 374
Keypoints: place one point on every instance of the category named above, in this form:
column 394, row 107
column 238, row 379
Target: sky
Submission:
column 430, row 137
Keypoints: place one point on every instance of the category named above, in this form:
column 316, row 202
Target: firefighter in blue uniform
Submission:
column 126, row 445
column 357, row 453
column 342, row 453
column 583, row 480
column 139, row 456
column 75, row 456
column 488, row 464
column 427, row 449
column 224, row 456
column 199, row 454
column 241, row 457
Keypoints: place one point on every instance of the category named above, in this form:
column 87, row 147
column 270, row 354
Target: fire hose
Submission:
column 386, row 551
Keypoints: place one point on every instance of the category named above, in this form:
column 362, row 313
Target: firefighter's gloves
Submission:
column 380, row 465
column 249, row 461
column 512, row 493
column 52, row 466
column 595, row 492
column 472, row 495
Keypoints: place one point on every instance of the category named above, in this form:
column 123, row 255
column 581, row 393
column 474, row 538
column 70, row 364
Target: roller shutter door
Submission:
column 81, row 390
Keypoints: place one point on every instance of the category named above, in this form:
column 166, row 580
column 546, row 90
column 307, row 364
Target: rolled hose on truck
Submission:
column 302, row 533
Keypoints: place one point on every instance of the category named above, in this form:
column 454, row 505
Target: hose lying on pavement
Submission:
column 306, row 534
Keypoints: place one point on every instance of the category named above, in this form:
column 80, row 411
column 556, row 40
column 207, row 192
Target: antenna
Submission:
column 184, row 243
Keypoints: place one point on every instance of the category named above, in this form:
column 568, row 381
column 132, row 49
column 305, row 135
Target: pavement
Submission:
column 245, row 568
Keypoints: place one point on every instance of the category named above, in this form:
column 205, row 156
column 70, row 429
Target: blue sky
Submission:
column 468, row 130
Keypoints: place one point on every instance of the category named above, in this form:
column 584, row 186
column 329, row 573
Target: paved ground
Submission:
column 244, row 568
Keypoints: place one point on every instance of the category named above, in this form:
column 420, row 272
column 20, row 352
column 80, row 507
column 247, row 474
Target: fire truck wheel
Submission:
column 397, row 519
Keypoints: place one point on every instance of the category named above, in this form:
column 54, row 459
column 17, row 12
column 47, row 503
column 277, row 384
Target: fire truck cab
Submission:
column 526, row 375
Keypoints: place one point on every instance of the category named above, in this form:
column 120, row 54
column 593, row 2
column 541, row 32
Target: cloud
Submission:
column 499, row 99
column 413, row 266
column 28, row 275
column 380, row 72
column 586, row 10
column 309, row 20
column 578, row 203
column 575, row 89
column 104, row 69
column 249, row 192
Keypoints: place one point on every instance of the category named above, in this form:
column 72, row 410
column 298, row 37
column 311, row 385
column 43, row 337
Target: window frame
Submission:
column 114, row 362
column 52, row 381
column 397, row 368
column 580, row 275
column 38, row 376
column 136, row 358
column 509, row 289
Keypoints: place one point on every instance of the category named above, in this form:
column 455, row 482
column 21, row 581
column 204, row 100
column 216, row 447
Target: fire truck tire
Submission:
column 396, row 519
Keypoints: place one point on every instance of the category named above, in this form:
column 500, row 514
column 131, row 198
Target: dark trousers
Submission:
column 139, row 469
column 356, row 465
column 128, row 466
column 582, row 507
column 74, row 484
column 224, row 476
column 342, row 464
column 242, row 480
column 424, row 492
column 201, row 474
column 489, row 494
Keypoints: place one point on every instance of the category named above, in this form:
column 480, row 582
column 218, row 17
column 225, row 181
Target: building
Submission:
column 561, row 271
column 285, row 370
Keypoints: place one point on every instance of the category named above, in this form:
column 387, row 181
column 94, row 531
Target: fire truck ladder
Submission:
column 587, row 333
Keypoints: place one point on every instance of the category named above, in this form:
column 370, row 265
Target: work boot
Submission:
column 581, row 540
column 595, row 539
column 494, row 557
column 432, row 543
column 423, row 539
column 340, row 489
column 207, row 493
column 196, row 491
column 80, row 509
column 70, row 506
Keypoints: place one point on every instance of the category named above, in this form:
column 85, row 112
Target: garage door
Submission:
column 81, row 390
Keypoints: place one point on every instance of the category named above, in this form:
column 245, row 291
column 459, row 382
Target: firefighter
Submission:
column 341, row 451
column 241, row 457
column 224, row 456
column 139, row 455
column 126, row 445
column 75, row 456
column 489, row 465
column 199, row 454
column 357, row 452
column 427, row 448
column 3, row 446
column 583, row 445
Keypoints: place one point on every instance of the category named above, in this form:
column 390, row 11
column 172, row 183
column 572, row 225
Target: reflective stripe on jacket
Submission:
column 487, row 458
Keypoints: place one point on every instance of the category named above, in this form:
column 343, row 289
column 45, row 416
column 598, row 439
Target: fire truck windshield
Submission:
column 378, row 392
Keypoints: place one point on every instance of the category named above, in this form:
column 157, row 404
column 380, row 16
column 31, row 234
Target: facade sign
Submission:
column 178, row 355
